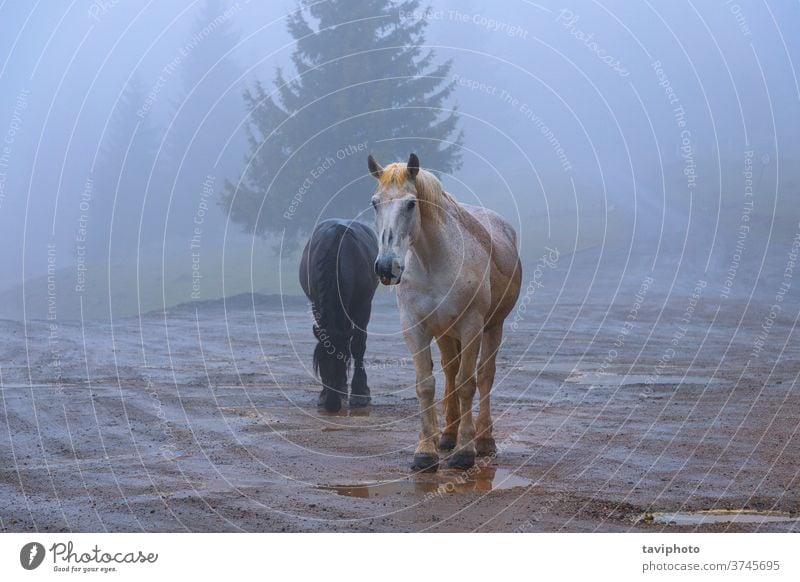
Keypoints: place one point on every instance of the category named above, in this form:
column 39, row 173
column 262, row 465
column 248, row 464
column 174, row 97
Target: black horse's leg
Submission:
column 334, row 380
column 359, row 391
column 332, row 371
column 319, row 354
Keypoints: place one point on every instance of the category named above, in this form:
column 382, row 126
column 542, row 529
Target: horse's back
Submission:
column 501, row 237
column 336, row 245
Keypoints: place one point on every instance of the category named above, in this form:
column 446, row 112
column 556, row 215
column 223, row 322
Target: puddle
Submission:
column 609, row 379
column 717, row 516
column 443, row 482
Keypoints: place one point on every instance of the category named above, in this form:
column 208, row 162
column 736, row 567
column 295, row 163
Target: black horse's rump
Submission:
column 338, row 276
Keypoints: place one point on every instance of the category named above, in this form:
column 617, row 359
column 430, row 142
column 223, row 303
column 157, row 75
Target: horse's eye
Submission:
column 374, row 203
column 410, row 204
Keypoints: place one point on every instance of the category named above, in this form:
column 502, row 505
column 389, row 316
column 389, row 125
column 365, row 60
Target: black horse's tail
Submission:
column 334, row 328
column 328, row 348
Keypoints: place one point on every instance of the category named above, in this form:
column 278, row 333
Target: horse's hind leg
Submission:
column 450, row 349
column 359, row 391
column 490, row 344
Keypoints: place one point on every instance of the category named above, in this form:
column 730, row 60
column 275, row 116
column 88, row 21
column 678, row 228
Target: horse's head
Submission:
column 397, row 215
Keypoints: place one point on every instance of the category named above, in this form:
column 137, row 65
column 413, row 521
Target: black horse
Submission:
column 338, row 276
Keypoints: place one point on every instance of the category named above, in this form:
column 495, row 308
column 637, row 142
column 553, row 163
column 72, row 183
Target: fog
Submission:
column 637, row 139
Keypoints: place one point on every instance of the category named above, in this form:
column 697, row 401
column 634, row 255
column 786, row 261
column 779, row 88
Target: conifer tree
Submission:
column 363, row 82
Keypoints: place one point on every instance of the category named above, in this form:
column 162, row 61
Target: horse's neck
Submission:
column 432, row 247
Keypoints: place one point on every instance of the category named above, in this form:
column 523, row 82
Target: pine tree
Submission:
column 364, row 83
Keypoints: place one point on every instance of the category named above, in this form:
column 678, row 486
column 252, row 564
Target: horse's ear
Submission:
column 413, row 166
column 374, row 167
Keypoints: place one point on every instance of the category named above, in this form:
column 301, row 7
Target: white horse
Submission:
column 458, row 275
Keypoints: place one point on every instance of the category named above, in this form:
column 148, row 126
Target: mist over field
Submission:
column 162, row 164
column 159, row 154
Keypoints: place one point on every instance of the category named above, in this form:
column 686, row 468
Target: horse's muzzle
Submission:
column 388, row 269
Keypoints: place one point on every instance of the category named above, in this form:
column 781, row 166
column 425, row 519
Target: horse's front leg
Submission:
column 466, row 383
column 451, row 350
column 426, row 457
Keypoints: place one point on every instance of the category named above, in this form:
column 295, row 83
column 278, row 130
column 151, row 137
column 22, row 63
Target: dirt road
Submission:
column 205, row 420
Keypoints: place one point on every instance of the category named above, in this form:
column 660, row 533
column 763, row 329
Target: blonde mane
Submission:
column 433, row 200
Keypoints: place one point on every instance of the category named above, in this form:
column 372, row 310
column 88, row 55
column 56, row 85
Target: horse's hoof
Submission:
column 447, row 442
column 360, row 400
column 425, row 463
column 331, row 404
column 461, row 460
column 486, row 447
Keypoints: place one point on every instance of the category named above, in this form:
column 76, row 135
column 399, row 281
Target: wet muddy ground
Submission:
column 205, row 420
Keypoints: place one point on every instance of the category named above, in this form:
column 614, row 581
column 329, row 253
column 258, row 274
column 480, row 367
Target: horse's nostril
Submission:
column 383, row 267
